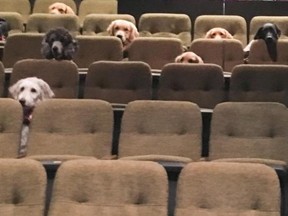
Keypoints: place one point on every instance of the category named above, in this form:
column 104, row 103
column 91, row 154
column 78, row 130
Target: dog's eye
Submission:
column 61, row 10
column 116, row 27
column 190, row 61
column 126, row 29
column 21, row 89
column 33, row 90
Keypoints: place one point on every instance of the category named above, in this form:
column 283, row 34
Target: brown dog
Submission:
column 218, row 33
column 60, row 8
column 123, row 29
column 189, row 57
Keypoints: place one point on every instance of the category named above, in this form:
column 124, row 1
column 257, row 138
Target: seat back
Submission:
column 97, row 48
column 96, row 7
column 110, row 188
column 202, row 84
column 258, row 21
column 21, row 7
column 23, row 187
column 166, row 25
column 155, row 51
column 42, row 23
column 3, row 92
column 11, row 121
column 42, row 6
column 162, row 130
column 249, row 130
column 234, row 24
column 30, row 48
column 15, row 21
column 227, row 189
column 262, row 83
column 97, row 24
column 61, row 76
column 68, row 128
column 118, row 81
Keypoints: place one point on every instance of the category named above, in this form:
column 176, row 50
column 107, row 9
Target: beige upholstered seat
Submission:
column 261, row 83
column 11, row 124
column 118, row 81
column 166, row 25
column 23, row 186
column 97, row 24
column 155, row 51
column 96, row 7
column 21, row 46
column 219, row 188
column 42, row 6
column 2, row 81
column 202, row 84
column 225, row 53
column 64, row 129
column 42, row 23
column 161, row 131
column 61, row 76
column 234, row 24
column 259, row 53
column 21, row 7
column 15, row 21
column 102, row 187
column 252, row 131
column 97, row 48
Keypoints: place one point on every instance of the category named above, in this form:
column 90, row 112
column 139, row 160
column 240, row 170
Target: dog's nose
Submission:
column 22, row 102
column 119, row 36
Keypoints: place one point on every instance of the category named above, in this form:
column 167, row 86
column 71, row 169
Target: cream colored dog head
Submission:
column 60, row 8
column 123, row 29
column 218, row 33
column 189, row 57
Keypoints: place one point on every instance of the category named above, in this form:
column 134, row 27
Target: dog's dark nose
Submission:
column 22, row 102
column 55, row 48
column 119, row 36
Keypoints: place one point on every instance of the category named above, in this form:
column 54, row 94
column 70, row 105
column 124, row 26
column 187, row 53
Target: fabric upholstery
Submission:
column 118, row 81
column 30, row 48
column 2, row 81
column 42, row 6
column 97, row 48
column 257, row 21
column 75, row 127
column 155, row 51
column 42, row 23
column 97, row 187
column 61, row 76
column 259, row 83
column 23, row 186
column 15, row 21
column 161, row 128
column 226, row 189
column 166, row 25
column 11, row 124
column 202, row 84
column 249, row 130
column 21, row 7
column 234, row 24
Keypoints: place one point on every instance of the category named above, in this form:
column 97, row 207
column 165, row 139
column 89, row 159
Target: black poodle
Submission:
column 59, row 44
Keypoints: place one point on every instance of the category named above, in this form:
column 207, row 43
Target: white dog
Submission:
column 29, row 92
column 123, row 29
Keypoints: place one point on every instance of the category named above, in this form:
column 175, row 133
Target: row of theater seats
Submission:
column 120, row 82
column 112, row 188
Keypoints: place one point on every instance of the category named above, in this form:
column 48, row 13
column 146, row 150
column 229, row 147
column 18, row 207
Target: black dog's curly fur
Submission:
column 59, row 44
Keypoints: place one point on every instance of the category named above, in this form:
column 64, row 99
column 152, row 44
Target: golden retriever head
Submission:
column 60, row 8
column 218, row 33
column 123, row 29
column 189, row 57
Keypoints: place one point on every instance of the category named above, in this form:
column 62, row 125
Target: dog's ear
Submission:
column 259, row 33
column 134, row 32
column 14, row 89
column 46, row 91
column 110, row 28
column 228, row 35
column 278, row 31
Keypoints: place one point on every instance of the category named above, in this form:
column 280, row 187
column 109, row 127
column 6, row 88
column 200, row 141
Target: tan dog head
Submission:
column 189, row 57
column 123, row 29
column 218, row 33
column 60, row 8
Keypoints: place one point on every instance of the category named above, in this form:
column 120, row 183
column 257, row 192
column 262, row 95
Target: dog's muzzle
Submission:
column 57, row 49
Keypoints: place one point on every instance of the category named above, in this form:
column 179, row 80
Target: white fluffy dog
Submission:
column 123, row 29
column 29, row 91
column 189, row 57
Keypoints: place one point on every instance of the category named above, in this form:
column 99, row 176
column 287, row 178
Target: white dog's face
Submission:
column 30, row 91
column 123, row 29
column 218, row 33
column 60, row 8
column 189, row 57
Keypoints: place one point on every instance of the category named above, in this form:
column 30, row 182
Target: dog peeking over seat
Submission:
column 123, row 29
column 189, row 57
column 218, row 33
column 270, row 33
column 59, row 44
column 60, row 8
column 29, row 92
